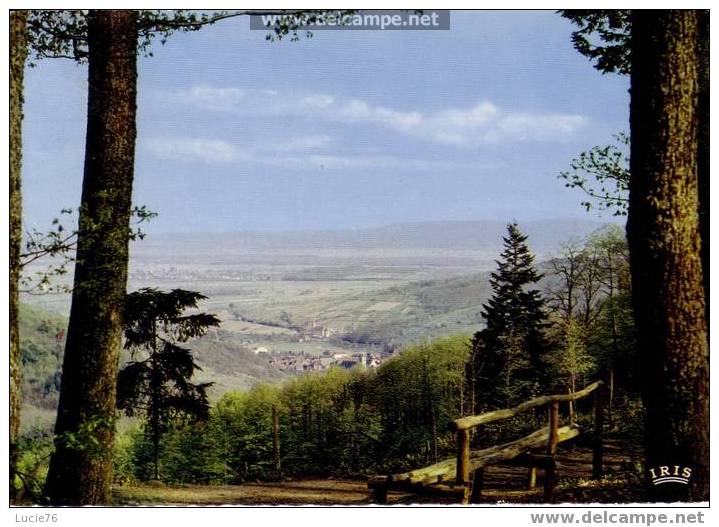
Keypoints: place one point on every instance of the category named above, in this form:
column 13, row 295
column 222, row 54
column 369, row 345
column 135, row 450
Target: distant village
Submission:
column 303, row 362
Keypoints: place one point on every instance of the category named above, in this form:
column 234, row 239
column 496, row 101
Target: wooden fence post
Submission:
column 549, row 473
column 462, row 477
column 477, row 484
column 532, row 478
column 598, row 453
column 276, row 440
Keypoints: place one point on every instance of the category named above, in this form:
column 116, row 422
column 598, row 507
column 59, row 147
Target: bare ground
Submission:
column 502, row 485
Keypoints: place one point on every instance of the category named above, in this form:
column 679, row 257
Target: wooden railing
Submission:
column 452, row 476
column 465, row 425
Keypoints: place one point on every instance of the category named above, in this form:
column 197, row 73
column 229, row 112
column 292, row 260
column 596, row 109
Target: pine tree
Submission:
column 157, row 384
column 508, row 351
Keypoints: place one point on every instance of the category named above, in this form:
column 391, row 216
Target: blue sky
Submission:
column 347, row 129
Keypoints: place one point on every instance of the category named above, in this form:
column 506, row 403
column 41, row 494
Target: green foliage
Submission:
column 86, row 438
column 571, row 362
column 42, row 341
column 34, row 449
column 601, row 320
column 608, row 166
column 56, row 247
column 192, row 453
column 291, row 23
column 507, row 354
column 335, row 423
column 338, row 423
column 124, row 461
column 603, row 37
column 245, row 419
column 418, row 393
column 609, row 244
column 62, row 33
column 613, row 341
column 156, row 383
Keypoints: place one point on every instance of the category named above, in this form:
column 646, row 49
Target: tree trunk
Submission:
column 703, row 144
column 664, row 240
column 276, row 441
column 610, row 403
column 18, row 54
column 81, row 466
column 435, row 447
column 155, row 387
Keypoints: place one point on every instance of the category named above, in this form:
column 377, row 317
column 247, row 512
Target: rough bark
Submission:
column 704, row 150
column 81, row 467
column 665, row 244
column 18, row 54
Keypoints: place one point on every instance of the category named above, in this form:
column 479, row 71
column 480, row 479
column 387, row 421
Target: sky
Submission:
column 347, row 129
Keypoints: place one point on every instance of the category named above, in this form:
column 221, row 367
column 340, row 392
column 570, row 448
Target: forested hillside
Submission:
column 42, row 341
column 223, row 359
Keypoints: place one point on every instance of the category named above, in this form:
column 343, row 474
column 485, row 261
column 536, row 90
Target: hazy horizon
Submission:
column 599, row 220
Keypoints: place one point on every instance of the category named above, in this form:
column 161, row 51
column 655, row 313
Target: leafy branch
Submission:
column 63, row 33
column 60, row 243
column 602, row 37
column 608, row 166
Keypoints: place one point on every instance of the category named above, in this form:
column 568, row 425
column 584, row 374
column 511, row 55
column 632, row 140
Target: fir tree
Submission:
column 508, row 351
column 158, row 386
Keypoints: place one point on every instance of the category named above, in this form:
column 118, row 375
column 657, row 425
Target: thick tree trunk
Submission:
column 704, row 150
column 665, row 244
column 18, row 54
column 81, row 467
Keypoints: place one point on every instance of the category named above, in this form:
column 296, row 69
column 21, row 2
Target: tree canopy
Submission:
column 156, row 383
column 509, row 349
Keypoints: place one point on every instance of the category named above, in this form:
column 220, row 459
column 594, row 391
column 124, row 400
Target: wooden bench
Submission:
column 451, row 477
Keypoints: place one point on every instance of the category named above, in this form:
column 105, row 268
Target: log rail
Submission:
column 462, row 475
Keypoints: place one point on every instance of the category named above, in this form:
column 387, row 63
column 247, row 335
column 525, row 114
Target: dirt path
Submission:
column 502, row 485
column 306, row 492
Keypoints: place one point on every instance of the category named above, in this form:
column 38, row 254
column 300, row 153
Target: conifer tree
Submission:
column 508, row 351
column 156, row 383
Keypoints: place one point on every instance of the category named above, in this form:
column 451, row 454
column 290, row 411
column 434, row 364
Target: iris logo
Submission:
column 673, row 474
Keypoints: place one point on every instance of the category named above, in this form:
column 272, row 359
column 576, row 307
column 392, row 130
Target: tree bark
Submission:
column 276, row 441
column 18, row 54
column 81, row 466
column 665, row 244
column 704, row 151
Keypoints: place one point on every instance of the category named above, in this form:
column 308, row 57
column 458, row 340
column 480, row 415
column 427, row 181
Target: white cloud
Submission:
column 218, row 151
column 481, row 124
column 369, row 162
column 246, row 101
column 298, row 153
column 318, row 101
column 359, row 111
column 485, row 123
column 299, row 144
column 220, row 99
column 194, row 149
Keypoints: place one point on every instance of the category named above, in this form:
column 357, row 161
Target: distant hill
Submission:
column 545, row 236
column 42, row 344
column 414, row 312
